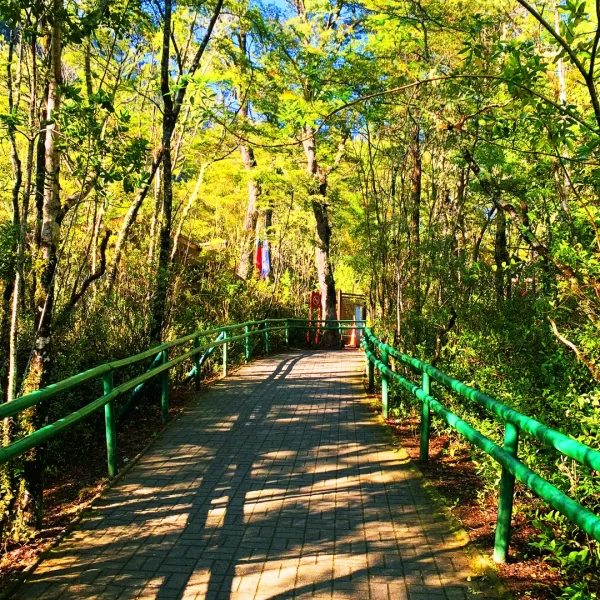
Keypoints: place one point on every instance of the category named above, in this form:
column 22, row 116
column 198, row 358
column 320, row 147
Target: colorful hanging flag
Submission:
column 258, row 259
column 266, row 259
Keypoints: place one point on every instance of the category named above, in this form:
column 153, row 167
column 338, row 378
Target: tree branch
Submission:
column 561, row 41
column 591, row 367
column 99, row 272
column 77, row 197
column 196, row 61
column 177, row 52
column 594, row 50
column 587, row 77
column 522, row 221
column 131, row 216
column 440, row 340
column 325, row 117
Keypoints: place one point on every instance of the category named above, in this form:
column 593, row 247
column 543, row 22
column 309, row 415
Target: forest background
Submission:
column 440, row 157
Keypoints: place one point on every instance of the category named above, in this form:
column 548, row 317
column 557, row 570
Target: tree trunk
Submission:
column 41, row 357
column 14, row 325
column 501, row 258
column 17, row 172
column 155, row 218
column 414, row 225
column 95, row 236
column 159, row 298
column 245, row 265
column 175, row 109
column 130, row 218
column 319, row 206
column 561, row 170
column 248, row 231
column 188, row 207
column 40, row 179
column 9, row 286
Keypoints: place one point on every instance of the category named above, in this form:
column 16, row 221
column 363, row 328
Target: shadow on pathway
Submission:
column 275, row 483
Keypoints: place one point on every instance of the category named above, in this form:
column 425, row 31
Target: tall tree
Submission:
column 172, row 105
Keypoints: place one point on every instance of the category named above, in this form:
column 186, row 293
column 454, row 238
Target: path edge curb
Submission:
column 480, row 563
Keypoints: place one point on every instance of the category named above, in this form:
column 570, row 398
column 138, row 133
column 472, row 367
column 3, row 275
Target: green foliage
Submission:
column 8, row 243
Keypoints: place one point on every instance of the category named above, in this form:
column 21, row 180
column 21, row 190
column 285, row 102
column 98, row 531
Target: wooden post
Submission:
column 371, row 387
column 247, row 340
column 425, row 421
column 505, row 501
column 385, row 386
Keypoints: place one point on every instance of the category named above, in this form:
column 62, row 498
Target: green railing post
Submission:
column 340, row 334
column 197, row 358
column 267, row 345
column 111, row 429
column 505, row 501
column 287, row 334
column 384, row 385
column 164, row 397
column 247, row 340
column 225, row 354
column 425, row 421
column 506, row 456
column 371, row 371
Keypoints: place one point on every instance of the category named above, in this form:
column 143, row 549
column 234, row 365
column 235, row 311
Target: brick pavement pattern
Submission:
column 275, row 483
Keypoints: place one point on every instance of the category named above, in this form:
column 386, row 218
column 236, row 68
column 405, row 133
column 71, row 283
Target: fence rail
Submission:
column 507, row 456
column 160, row 366
column 515, row 423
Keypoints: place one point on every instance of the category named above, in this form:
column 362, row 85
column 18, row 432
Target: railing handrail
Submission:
column 507, row 456
column 11, row 408
column 48, row 431
column 105, row 371
column 559, row 441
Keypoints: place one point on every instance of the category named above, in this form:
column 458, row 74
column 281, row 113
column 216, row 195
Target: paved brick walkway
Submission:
column 276, row 483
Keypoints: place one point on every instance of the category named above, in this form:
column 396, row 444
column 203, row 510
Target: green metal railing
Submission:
column 159, row 366
column 515, row 423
